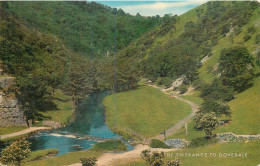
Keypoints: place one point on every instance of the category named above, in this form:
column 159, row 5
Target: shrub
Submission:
column 246, row 37
column 206, row 122
column 257, row 39
column 166, row 81
column 183, row 89
column 16, row 152
column 251, row 29
column 88, row 161
column 155, row 143
column 154, row 159
column 175, row 162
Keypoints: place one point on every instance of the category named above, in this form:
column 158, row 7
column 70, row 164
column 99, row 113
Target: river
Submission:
column 89, row 121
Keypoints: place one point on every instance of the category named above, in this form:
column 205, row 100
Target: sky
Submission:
column 152, row 8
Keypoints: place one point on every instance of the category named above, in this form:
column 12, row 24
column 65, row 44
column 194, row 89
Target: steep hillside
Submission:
column 85, row 27
column 176, row 47
column 208, row 71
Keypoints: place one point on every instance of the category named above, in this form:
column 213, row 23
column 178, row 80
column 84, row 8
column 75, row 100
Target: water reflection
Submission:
column 90, row 120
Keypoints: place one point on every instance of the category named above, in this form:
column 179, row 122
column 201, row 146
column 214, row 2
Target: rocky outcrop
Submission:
column 10, row 112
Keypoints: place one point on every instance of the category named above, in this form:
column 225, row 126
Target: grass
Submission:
column 66, row 159
column 110, row 145
column 145, row 110
column 37, row 155
column 194, row 97
column 192, row 133
column 9, row 130
column 245, row 112
column 245, row 116
column 64, row 111
column 250, row 148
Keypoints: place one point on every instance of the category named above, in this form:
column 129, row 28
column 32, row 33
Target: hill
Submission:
column 84, row 27
column 176, row 47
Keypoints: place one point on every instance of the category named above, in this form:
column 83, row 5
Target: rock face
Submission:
column 10, row 112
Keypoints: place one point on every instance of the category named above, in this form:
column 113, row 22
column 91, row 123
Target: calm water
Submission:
column 90, row 120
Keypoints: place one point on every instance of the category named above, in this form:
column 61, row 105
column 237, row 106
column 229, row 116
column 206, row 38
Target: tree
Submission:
column 237, row 68
column 78, row 81
column 206, row 122
column 216, row 107
column 16, row 152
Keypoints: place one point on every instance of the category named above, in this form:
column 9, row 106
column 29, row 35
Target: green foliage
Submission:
column 180, row 52
column 88, row 161
column 215, row 106
column 40, row 154
column 110, row 145
column 206, row 122
column 175, row 162
column 257, row 39
column 217, row 91
column 78, row 81
column 16, row 152
column 35, row 59
column 251, row 29
column 202, row 141
column 166, row 81
column 183, row 89
column 246, row 37
column 89, row 30
column 154, row 158
column 237, row 68
column 155, row 143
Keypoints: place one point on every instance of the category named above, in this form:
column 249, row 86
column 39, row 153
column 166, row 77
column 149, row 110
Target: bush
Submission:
column 16, row 152
column 202, row 141
column 154, row 159
column 246, row 37
column 155, row 143
column 257, row 39
column 166, row 81
column 251, row 29
column 88, row 161
column 183, row 89
column 175, row 162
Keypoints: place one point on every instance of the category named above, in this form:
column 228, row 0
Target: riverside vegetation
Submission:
column 68, row 58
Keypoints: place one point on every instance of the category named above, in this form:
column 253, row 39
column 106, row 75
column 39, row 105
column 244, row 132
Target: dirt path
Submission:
column 29, row 130
column 177, row 126
column 110, row 159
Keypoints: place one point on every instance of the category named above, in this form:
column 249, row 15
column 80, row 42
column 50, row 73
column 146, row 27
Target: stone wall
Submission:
column 10, row 113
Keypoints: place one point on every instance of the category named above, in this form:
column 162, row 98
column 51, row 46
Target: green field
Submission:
column 245, row 112
column 8, row 130
column 66, row 159
column 37, row 155
column 250, row 148
column 145, row 110
column 64, row 111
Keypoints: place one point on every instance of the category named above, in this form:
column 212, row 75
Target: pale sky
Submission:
column 152, row 8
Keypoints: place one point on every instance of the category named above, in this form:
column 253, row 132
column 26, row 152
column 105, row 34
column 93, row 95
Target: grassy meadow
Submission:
column 145, row 110
column 8, row 130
